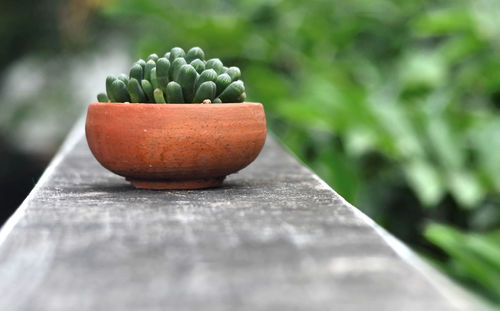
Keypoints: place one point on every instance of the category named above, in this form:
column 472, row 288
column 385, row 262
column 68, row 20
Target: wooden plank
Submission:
column 275, row 237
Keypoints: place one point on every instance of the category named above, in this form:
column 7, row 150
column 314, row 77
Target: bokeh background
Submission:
column 395, row 103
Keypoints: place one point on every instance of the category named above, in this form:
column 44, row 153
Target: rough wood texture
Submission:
column 275, row 237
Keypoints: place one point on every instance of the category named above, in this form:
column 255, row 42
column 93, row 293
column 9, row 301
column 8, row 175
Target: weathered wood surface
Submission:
column 275, row 237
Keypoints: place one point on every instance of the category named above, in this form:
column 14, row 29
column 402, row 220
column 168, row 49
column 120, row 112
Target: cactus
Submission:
column 177, row 77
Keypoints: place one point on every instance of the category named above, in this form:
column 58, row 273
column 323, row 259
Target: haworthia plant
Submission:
column 158, row 95
column 123, row 77
column 148, row 90
column 222, row 82
column 206, row 75
column 198, row 64
column 176, row 66
column 154, row 79
column 136, row 92
column 147, row 69
column 119, row 91
column 177, row 77
column 175, row 53
column 153, row 57
column 215, row 64
column 205, row 91
column 136, row 72
column 141, row 62
column 195, row 53
column 187, row 77
column 109, row 88
column 102, row 98
column 174, row 92
column 234, row 73
column 162, row 73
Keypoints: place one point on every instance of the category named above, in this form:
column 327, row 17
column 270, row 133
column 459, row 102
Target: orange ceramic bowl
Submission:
column 175, row 146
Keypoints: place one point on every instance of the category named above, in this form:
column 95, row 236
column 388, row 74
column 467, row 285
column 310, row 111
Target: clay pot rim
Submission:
column 180, row 104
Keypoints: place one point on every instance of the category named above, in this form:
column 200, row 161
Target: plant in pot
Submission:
column 175, row 122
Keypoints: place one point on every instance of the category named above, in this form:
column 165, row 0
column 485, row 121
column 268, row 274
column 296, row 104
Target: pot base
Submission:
column 201, row 183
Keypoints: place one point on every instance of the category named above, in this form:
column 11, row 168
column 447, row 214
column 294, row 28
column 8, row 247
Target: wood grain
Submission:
column 274, row 237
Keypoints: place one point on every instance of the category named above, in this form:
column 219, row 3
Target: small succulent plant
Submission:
column 177, row 77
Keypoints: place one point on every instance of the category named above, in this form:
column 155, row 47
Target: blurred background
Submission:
column 394, row 103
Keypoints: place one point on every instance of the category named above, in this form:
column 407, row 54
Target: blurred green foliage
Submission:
column 394, row 103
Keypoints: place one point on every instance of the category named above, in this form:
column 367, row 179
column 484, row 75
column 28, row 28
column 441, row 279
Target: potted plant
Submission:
column 175, row 122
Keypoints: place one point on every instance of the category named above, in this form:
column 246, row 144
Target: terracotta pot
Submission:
column 175, row 146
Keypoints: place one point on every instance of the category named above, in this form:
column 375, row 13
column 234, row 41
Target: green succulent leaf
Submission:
column 147, row 70
column 176, row 52
column 162, row 72
column 215, row 64
column 158, row 96
column 242, row 97
column 175, row 67
column 136, row 72
column 109, row 81
column 233, row 93
column 206, row 75
column 141, row 62
column 153, row 57
column 123, row 77
column 198, row 64
column 102, row 98
column 222, row 82
column 234, row 73
column 154, row 79
column 205, row 91
column 186, row 78
column 174, row 93
column 194, row 53
column 119, row 91
column 148, row 90
column 135, row 91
